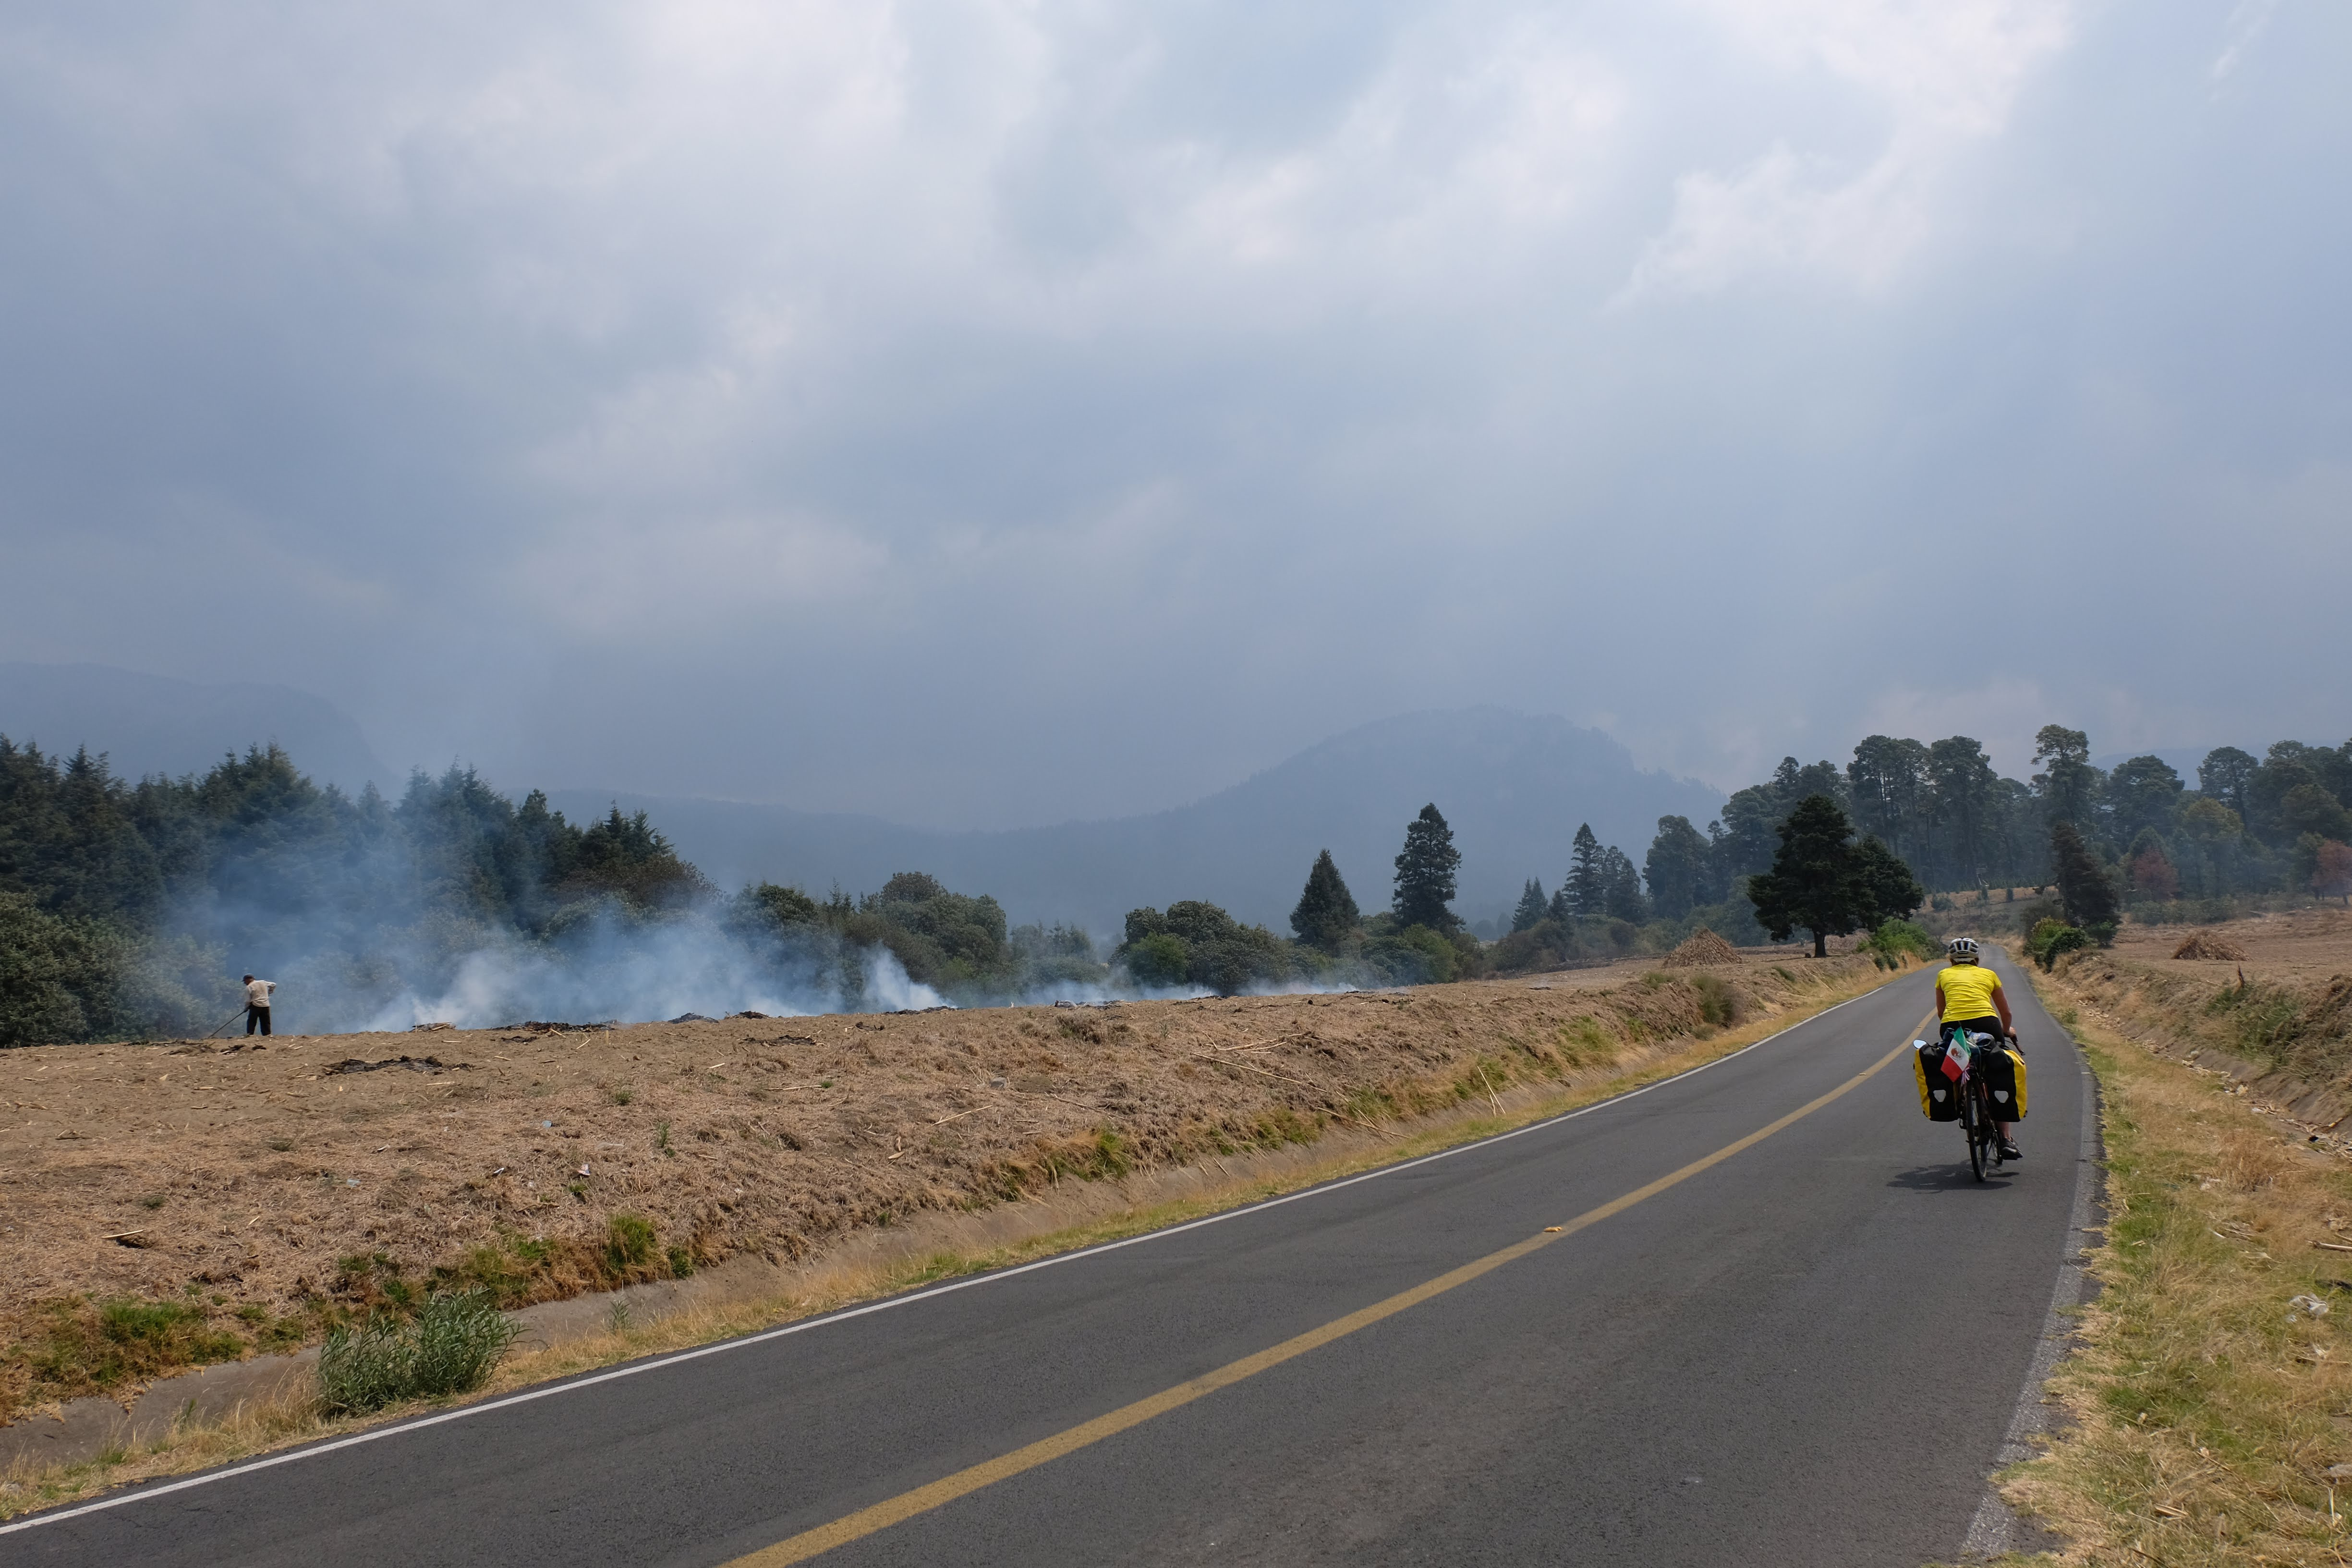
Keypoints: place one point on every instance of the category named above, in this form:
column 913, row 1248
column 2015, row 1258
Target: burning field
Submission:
column 252, row 1192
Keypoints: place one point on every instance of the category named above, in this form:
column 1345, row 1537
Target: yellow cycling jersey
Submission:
column 1968, row 992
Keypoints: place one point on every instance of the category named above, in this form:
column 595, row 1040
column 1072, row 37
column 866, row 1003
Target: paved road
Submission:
column 1751, row 1366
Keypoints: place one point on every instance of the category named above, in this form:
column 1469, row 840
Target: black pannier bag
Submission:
column 1938, row 1096
column 2003, row 1071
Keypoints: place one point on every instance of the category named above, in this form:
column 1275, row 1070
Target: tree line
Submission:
column 123, row 903
column 126, row 905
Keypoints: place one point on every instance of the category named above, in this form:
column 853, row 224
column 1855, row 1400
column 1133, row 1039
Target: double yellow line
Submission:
column 947, row 1488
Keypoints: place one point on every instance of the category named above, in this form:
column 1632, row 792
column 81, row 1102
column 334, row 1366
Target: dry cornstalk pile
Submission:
column 1703, row 948
column 2205, row 944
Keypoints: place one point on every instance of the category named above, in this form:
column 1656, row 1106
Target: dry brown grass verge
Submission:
column 1489, row 1091
column 2208, row 1406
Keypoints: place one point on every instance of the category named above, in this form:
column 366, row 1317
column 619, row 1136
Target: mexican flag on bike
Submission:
column 1956, row 1056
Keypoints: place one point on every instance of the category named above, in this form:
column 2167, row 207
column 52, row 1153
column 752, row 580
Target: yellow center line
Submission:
column 947, row 1488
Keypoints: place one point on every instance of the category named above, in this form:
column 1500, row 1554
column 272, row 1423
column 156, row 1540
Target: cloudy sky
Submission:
column 984, row 413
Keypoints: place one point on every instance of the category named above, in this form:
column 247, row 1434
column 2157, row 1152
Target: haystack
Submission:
column 2205, row 944
column 1703, row 947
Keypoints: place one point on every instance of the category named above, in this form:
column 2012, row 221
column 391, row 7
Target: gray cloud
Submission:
column 984, row 415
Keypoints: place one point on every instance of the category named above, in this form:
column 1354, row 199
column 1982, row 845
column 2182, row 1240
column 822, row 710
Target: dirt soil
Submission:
column 2285, row 1007
column 2297, row 947
column 307, row 1173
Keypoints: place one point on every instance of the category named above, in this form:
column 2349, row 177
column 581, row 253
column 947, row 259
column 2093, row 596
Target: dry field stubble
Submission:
column 2211, row 1400
column 269, row 1195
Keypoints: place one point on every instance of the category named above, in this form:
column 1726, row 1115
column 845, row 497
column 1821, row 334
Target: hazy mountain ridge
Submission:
column 154, row 724
column 1514, row 786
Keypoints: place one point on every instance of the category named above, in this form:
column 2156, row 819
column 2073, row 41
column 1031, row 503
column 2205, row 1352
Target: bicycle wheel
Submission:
column 1979, row 1130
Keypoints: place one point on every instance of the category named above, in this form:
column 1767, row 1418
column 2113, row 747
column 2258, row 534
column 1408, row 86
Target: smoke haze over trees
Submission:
column 124, row 906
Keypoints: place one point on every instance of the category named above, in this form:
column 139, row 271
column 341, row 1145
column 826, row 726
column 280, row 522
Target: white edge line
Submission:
column 674, row 1357
column 1994, row 1528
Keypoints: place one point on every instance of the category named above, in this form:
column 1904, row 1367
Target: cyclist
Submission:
column 1968, row 999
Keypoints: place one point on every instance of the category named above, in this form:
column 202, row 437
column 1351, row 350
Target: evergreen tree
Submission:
column 2083, row 885
column 2144, row 796
column 1585, row 890
column 1751, row 818
column 1532, row 911
column 1966, row 808
column 2224, row 776
column 1424, row 873
column 1893, row 892
column 1621, row 883
column 1889, row 784
column 1817, row 880
column 1326, row 915
column 2068, row 783
column 1680, row 868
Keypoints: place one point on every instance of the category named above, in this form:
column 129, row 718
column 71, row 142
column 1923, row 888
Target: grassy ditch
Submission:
column 2212, row 1395
column 2299, row 1026
column 1673, row 1023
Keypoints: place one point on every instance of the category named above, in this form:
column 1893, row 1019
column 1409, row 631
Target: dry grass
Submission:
column 264, row 1188
column 1612, row 1066
column 2208, row 1408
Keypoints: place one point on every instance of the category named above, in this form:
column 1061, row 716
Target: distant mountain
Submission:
column 153, row 725
column 1513, row 786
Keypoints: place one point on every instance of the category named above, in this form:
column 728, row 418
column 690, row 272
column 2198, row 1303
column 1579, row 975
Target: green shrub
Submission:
column 628, row 1242
column 449, row 1348
column 2052, row 939
column 1158, row 960
column 1894, row 938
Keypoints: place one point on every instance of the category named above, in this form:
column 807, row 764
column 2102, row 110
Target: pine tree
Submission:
column 1621, row 884
column 1532, row 911
column 1893, row 892
column 1585, row 888
column 1424, row 873
column 1326, row 915
column 1680, row 868
column 2069, row 786
column 2083, row 885
column 1816, row 880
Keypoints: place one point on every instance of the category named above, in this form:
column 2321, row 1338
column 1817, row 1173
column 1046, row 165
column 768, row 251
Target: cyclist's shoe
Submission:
column 2010, row 1151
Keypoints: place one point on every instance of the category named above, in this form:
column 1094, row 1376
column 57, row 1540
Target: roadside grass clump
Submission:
column 2211, row 1390
column 1720, row 1005
column 1895, row 939
column 72, row 1347
column 450, row 1347
column 629, row 1243
column 2260, row 1020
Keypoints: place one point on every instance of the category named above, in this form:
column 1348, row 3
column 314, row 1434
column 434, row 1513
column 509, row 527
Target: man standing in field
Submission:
column 256, row 1004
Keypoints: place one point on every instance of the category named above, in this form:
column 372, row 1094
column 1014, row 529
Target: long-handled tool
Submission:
column 225, row 1022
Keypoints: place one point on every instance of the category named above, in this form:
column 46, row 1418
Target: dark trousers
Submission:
column 1980, row 1027
column 254, row 1016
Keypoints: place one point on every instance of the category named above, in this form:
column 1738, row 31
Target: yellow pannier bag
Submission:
column 1937, row 1098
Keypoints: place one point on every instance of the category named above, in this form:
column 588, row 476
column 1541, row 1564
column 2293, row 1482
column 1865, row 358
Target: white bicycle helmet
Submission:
column 1961, row 949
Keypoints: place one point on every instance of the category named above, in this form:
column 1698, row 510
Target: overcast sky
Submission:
column 987, row 413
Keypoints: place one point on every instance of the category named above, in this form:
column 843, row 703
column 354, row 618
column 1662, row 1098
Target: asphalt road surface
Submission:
column 1807, row 1352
